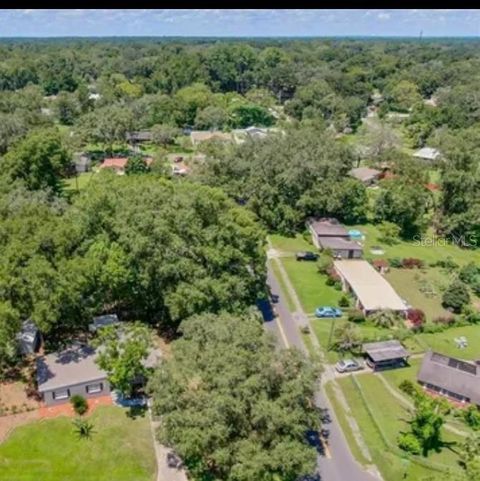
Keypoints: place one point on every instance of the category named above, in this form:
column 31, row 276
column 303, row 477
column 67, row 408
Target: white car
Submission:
column 348, row 365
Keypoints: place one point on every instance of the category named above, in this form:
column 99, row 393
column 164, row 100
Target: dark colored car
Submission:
column 174, row 461
column 306, row 256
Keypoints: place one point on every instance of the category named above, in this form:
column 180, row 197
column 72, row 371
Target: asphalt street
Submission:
column 335, row 462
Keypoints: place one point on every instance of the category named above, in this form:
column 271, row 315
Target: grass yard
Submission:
column 444, row 343
column 310, row 285
column 421, row 288
column 120, row 449
column 396, row 376
column 391, row 418
column 83, row 180
column 290, row 244
column 427, row 252
column 342, row 419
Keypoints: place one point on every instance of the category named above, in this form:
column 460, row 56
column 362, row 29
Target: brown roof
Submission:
column 451, row 374
column 328, row 227
column 385, row 350
column 74, row 365
column 338, row 243
column 115, row 163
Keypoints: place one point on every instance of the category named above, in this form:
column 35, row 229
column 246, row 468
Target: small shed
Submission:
column 29, row 338
column 366, row 175
column 427, row 153
column 82, row 162
column 102, row 321
column 385, row 354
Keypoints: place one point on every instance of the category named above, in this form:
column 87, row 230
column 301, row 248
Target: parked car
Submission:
column 275, row 298
column 327, row 311
column 348, row 365
column 174, row 461
column 306, row 256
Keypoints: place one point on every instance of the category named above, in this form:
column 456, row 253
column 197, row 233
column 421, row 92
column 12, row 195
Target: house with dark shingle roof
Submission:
column 385, row 354
column 450, row 377
column 328, row 233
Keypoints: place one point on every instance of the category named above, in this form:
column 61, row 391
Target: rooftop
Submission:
column 451, row 374
column 364, row 173
column 74, row 365
column 338, row 243
column 372, row 290
column 427, row 153
column 203, row 135
column 385, row 350
column 101, row 321
column 328, row 227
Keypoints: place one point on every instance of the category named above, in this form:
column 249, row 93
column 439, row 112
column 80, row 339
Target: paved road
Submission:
column 337, row 464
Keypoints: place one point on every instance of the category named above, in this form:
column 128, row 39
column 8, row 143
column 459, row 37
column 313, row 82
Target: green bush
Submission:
column 344, row 301
column 456, row 296
column 469, row 273
column 471, row 416
column 408, row 387
column 337, row 285
column 79, row 403
column 356, row 315
column 395, row 262
column 408, row 442
column 330, row 281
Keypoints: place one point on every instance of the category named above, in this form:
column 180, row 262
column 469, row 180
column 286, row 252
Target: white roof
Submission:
column 371, row 288
column 427, row 153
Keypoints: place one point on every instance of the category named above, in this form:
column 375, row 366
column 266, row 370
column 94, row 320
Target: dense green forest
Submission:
column 186, row 254
column 160, row 249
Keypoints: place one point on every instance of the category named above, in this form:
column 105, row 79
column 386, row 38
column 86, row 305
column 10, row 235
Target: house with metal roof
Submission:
column 427, row 153
column 385, row 354
column 372, row 291
column 101, row 321
column 450, row 377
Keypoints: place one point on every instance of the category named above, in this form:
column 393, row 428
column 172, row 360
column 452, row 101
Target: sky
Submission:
column 239, row 23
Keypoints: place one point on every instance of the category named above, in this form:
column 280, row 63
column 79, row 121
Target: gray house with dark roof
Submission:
column 450, row 377
column 328, row 233
column 62, row 374
column 385, row 354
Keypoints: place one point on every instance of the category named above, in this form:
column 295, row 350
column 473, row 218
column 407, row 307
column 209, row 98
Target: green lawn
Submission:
column 444, row 343
column 310, row 285
column 82, row 180
column 342, row 419
column 421, row 288
column 396, row 376
column 291, row 244
column 391, row 418
column 120, row 449
column 426, row 252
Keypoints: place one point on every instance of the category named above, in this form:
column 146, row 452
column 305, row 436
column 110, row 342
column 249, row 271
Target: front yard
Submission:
column 119, row 449
column 366, row 395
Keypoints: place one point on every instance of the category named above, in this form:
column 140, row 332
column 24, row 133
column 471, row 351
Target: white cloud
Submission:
column 383, row 16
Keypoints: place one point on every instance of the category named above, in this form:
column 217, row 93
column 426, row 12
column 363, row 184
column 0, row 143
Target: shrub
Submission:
column 344, row 301
column 448, row 320
column 329, row 281
column 456, row 296
column 471, row 416
column 356, row 315
column 337, row 285
column 305, row 330
column 469, row 273
column 416, row 317
column 447, row 263
column 79, row 403
column 324, row 264
column 332, row 274
column 409, row 443
column 389, row 232
column 385, row 318
column 407, row 387
column 395, row 262
column 412, row 263
column 380, row 264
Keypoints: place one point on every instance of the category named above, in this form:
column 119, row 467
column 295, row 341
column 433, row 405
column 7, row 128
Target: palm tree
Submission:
column 386, row 318
column 347, row 336
column 83, row 428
